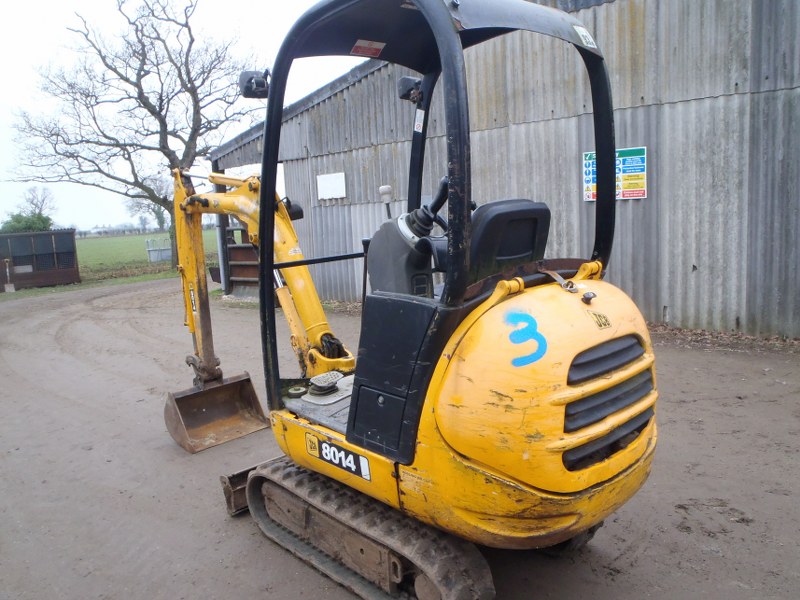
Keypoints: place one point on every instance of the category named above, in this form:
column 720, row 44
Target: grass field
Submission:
column 126, row 255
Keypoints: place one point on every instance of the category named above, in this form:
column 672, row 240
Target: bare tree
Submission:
column 155, row 100
column 162, row 185
column 33, row 214
column 38, row 202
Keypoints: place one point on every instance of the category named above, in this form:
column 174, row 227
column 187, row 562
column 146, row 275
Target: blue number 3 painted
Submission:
column 528, row 333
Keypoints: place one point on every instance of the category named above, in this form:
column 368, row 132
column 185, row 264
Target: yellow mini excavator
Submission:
column 512, row 407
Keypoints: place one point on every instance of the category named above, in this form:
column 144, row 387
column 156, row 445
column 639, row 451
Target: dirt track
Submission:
column 98, row 502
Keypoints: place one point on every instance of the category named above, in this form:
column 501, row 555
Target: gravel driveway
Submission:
column 98, row 502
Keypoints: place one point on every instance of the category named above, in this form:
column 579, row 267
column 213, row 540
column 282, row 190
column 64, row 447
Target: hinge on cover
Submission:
column 564, row 283
column 588, row 270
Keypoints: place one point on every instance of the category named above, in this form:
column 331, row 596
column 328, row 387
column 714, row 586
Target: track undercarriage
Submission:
column 368, row 547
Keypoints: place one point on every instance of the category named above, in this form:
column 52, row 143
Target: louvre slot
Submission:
column 597, row 407
column 600, row 449
column 604, row 358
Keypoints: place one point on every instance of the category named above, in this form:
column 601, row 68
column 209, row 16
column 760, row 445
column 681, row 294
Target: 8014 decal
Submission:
column 338, row 456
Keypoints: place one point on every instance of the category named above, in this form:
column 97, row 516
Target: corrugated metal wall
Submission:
column 710, row 87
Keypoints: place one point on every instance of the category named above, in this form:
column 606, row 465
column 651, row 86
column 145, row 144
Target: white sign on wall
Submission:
column 331, row 186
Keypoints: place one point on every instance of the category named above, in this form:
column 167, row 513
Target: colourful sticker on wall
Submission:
column 631, row 174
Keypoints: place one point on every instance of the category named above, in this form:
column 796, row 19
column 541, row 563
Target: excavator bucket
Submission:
column 218, row 412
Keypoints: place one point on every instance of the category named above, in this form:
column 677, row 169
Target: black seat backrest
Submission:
column 506, row 234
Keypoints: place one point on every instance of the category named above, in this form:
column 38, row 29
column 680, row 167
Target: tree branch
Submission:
column 129, row 109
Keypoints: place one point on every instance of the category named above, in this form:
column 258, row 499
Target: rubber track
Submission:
column 455, row 566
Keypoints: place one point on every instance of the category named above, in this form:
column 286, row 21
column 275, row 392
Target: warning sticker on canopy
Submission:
column 585, row 36
column 368, row 48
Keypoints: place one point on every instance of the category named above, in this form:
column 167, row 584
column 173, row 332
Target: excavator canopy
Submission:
column 404, row 31
column 429, row 37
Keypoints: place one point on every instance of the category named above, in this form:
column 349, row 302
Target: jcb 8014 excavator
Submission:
column 512, row 407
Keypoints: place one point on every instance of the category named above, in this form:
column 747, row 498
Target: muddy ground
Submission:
column 96, row 501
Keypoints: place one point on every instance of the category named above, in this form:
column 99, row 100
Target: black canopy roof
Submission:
column 396, row 30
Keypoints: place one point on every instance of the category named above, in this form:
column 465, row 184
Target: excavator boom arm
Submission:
column 312, row 338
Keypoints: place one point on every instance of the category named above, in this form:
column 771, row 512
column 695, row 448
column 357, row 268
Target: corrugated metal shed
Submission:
column 710, row 87
column 38, row 259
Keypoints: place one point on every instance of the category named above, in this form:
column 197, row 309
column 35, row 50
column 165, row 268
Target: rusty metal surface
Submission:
column 234, row 488
column 243, row 264
column 205, row 416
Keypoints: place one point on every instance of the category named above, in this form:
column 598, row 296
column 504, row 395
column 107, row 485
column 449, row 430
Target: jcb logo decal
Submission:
column 312, row 445
column 602, row 321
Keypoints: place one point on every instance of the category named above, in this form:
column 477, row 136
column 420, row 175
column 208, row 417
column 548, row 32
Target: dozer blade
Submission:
column 199, row 418
column 234, row 487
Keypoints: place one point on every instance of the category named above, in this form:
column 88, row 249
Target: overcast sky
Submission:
column 36, row 36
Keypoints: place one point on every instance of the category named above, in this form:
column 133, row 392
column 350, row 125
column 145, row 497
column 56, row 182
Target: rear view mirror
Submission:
column 410, row 88
column 254, row 84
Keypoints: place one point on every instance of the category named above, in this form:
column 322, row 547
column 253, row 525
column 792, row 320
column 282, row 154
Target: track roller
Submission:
column 368, row 547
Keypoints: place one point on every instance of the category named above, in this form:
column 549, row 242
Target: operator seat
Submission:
column 507, row 234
